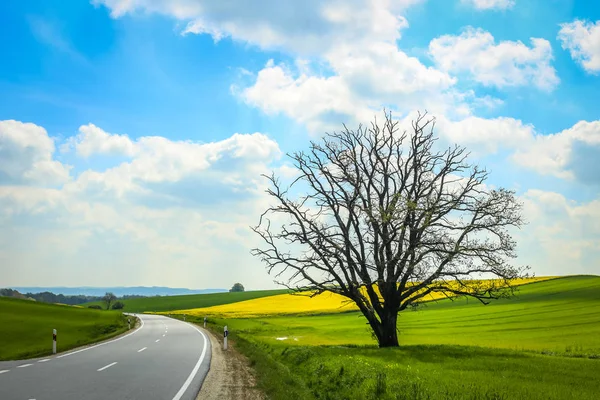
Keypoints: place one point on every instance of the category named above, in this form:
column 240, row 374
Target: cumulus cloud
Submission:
column 163, row 172
column 179, row 203
column 562, row 234
column 475, row 52
column 486, row 136
column 490, row 4
column 573, row 153
column 582, row 39
column 306, row 27
column 359, row 63
column 93, row 140
column 26, row 156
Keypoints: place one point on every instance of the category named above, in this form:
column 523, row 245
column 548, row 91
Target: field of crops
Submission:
column 542, row 344
column 168, row 303
column 300, row 303
column 26, row 328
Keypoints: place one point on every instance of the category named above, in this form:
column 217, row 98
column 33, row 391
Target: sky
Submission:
column 133, row 132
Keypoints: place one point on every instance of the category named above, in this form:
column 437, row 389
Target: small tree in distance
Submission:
column 108, row 298
column 238, row 287
column 119, row 305
column 387, row 221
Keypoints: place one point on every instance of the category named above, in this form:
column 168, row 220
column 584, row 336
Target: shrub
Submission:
column 118, row 305
column 95, row 307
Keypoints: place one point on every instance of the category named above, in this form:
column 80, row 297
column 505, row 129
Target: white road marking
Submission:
column 47, row 359
column 163, row 335
column 5, row 370
column 24, row 365
column 108, row 366
column 157, row 340
column 187, row 383
column 102, row 344
column 142, row 349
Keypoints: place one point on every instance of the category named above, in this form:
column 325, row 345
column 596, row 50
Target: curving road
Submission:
column 164, row 359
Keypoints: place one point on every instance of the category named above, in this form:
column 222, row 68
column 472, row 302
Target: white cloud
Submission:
column 306, row 27
column 177, row 203
column 363, row 66
column 490, row 4
column 573, row 153
column 26, row 153
column 562, row 235
column 505, row 64
column 93, row 140
column 582, row 39
column 486, row 135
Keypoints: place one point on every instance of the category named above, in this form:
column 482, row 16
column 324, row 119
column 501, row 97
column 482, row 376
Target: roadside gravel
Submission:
column 230, row 376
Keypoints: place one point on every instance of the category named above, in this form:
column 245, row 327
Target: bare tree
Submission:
column 386, row 221
column 108, row 298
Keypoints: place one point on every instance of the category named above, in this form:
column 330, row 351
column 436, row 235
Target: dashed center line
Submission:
column 47, row 359
column 157, row 340
column 142, row 349
column 3, row 371
column 107, row 366
column 24, row 365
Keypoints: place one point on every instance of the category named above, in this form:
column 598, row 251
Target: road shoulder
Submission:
column 230, row 376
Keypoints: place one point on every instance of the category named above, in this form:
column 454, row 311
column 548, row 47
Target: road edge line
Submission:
column 192, row 375
column 103, row 343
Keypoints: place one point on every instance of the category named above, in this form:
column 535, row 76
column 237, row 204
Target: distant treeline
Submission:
column 49, row 297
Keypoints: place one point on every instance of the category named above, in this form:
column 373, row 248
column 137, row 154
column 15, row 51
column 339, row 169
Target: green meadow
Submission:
column 26, row 328
column 171, row 303
column 542, row 344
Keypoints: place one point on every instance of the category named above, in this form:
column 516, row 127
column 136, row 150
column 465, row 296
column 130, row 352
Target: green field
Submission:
column 542, row 344
column 26, row 327
column 170, row 303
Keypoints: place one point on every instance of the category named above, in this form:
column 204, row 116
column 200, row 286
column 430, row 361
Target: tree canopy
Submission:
column 237, row 287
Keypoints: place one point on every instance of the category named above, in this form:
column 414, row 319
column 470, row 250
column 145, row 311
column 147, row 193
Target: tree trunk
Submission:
column 386, row 330
column 389, row 331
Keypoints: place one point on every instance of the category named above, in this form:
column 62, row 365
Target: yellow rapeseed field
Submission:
column 300, row 303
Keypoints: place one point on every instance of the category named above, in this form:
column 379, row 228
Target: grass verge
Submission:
column 26, row 327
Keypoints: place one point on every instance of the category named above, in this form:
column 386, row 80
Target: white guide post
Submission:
column 53, row 341
column 205, row 322
column 225, row 333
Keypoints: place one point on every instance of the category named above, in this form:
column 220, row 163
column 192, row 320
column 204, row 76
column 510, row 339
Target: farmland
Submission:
column 542, row 344
column 169, row 303
column 26, row 328
column 300, row 303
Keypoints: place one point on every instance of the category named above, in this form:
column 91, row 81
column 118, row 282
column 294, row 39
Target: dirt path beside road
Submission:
column 230, row 376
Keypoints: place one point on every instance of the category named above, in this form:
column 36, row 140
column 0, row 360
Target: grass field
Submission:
column 303, row 303
column 542, row 344
column 26, row 327
column 169, row 303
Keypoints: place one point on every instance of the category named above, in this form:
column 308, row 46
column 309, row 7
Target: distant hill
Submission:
column 118, row 291
column 13, row 293
column 183, row 302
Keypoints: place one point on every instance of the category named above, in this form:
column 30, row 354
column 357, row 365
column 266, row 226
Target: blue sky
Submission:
column 118, row 122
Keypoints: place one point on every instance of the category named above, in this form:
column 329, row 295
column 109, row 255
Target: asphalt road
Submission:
column 164, row 359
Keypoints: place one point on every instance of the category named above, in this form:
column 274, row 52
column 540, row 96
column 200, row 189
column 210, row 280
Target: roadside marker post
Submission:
column 225, row 334
column 205, row 322
column 128, row 323
column 184, row 317
column 53, row 341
